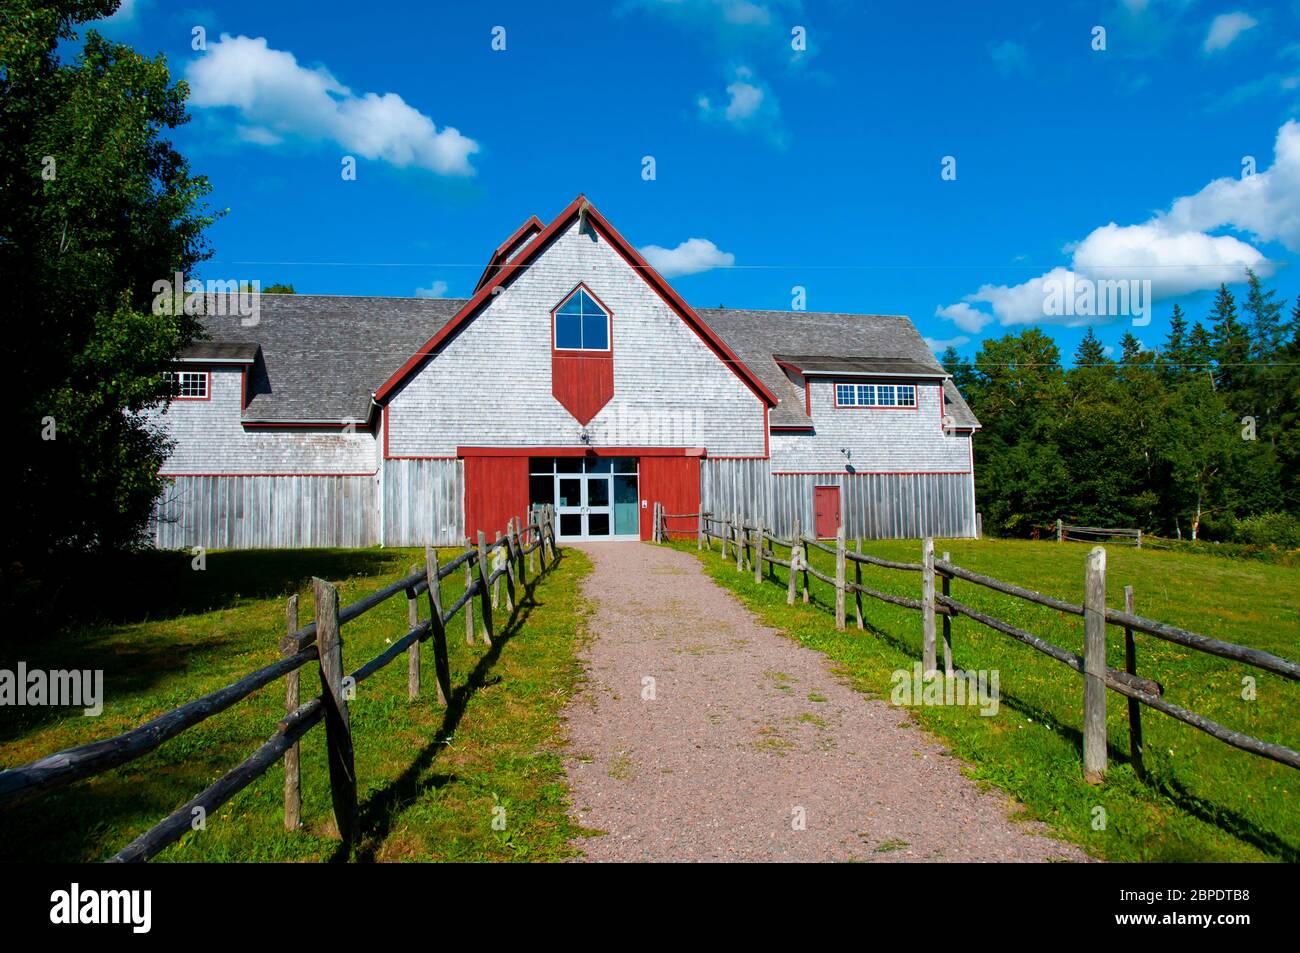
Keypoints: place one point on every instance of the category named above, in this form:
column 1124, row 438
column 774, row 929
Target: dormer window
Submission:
column 875, row 395
column 581, row 324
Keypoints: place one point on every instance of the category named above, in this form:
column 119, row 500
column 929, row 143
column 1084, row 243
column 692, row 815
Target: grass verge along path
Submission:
column 428, row 778
column 1202, row 800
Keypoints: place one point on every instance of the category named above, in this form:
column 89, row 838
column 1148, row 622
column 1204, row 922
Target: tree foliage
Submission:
column 95, row 206
column 1185, row 440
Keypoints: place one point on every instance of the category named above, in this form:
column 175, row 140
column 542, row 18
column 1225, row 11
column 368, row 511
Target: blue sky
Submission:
column 774, row 167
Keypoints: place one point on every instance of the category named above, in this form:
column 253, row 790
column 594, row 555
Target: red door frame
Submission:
column 826, row 511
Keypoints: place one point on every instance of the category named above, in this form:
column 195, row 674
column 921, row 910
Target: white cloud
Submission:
column 1176, row 261
column 1009, row 57
column 1225, row 28
column 939, row 345
column 276, row 97
column 964, row 316
column 689, row 258
column 1175, row 250
column 1266, row 204
column 436, row 289
column 750, row 107
column 746, row 98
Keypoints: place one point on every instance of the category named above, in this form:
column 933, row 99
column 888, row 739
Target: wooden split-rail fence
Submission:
column 752, row 546
column 509, row 560
column 1075, row 534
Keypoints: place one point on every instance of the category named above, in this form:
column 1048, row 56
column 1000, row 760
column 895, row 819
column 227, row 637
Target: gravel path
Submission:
column 746, row 729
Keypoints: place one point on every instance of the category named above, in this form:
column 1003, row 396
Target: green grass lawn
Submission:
column 428, row 777
column 1202, row 800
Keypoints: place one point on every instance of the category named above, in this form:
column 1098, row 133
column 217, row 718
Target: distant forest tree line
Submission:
column 1196, row 439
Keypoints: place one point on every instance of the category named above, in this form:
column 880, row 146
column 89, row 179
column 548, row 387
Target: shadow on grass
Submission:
column 375, row 817
column 112, row 594
column 153, row 585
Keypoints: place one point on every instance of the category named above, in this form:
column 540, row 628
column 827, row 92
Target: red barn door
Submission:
column 674, row 482
column 826, row 502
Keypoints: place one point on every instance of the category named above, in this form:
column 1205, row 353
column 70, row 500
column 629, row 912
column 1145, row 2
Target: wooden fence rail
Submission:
column 320, row 641
column 747, row 539
column 1097, row 533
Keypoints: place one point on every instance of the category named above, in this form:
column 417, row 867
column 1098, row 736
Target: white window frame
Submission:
column 853, row 395
column 180, row 379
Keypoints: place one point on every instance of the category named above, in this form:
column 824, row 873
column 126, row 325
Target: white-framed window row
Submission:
column 189, row 385
column 898, row 396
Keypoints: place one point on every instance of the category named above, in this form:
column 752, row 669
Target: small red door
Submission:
column 826, row 503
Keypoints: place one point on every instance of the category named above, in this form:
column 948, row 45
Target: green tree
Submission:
column 1090, row 352
column 1264, row 313
column 95, row 207
column 278, row 289
column 1174, row 357
column 1231, row 344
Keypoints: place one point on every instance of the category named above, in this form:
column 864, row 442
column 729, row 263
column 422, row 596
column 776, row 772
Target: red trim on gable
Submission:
column 358, row 426
column 684, row 310
column 509, row 269
column 581, row 451
column 521, row 234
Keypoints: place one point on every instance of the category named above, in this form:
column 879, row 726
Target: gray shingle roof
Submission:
column 873, row 340
column 322, row 356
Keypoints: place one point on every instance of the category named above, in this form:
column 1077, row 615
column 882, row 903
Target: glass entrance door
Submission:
column 595, row 498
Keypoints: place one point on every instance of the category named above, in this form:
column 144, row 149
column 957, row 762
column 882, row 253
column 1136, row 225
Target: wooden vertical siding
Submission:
column 424, row 502
column 496, row 489
column 876, row 505
column 266, row 512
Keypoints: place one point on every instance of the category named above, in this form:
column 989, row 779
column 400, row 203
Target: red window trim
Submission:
column 916, row 392
column 609, row 324
column 581, row 451
column 207, row 384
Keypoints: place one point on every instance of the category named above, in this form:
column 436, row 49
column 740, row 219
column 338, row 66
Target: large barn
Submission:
column 574, row 376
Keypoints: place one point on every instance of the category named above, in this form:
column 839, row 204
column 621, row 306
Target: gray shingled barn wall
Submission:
column 266, row 512
column 875, row 505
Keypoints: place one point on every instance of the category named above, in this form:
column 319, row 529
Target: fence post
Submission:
column 517, row 537
column 857, row 579
column 699, row 533
column 469, row 603
column 1060, row 532
column 496, row 566
column 551, row 531
column 441, row 666
column 807, row 561
column 509, row 565
column 726, row 531
column 794, row 563
column 1134, row 706
column 758, row 550
column 739, row 536
column 1094, row 667
column 292, row 764
column 839, row 578
column 945, row 582
column 1139, row 545
column 533, row 517
column 486, row 597
column 338, row 731
column 928, row 662
column 413, row 653
column 654, row 522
